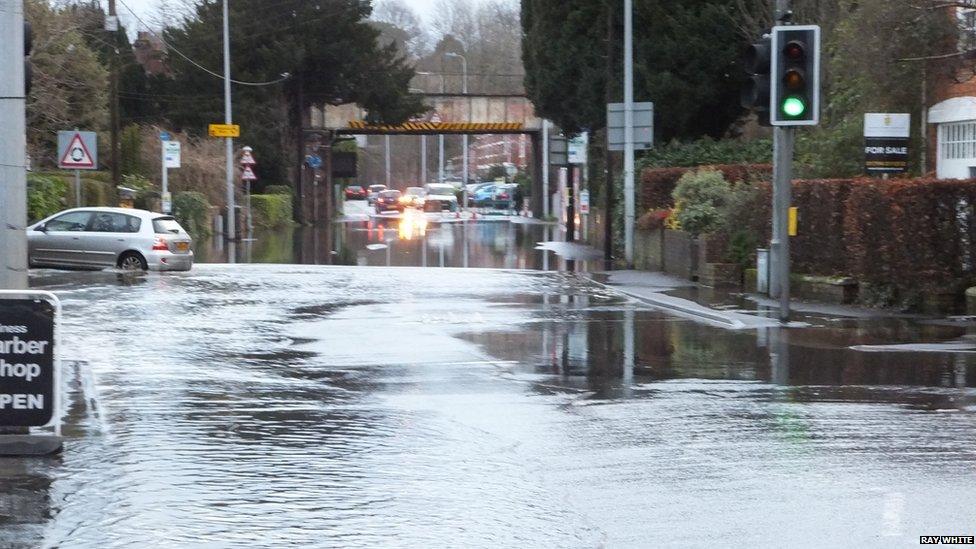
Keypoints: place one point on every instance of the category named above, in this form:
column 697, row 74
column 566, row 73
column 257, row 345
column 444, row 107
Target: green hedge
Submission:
column 277, row 189
column 708, row 151
column 45, row 196
column 271, row 210
column 192, row 210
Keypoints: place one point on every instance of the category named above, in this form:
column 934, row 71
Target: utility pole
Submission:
column 464, row 144
column 13, row 148
column 114, row 99
column 545, row 168
column 608, row 205
column 228, row 119
column 386, row 142
column 629, row 206
column 440, row 158
column 423, row 160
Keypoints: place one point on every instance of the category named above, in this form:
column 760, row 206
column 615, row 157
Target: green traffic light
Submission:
column 794, row 106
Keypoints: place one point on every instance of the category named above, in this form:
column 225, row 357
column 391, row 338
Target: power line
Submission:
column 284, row 77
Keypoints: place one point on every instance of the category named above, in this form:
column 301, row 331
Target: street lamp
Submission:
column 464, row 146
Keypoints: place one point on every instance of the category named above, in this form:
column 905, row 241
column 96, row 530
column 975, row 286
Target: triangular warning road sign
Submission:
column 76, row 155
column 247, row 159
column 248, row 174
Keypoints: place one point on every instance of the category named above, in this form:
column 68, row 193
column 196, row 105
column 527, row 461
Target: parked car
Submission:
column 388, row 200
column 413, row 197
column 355, row 192
column 484, row 196
column 440, row 197
column 473, row 189
column 373, row 191
column 96, row 238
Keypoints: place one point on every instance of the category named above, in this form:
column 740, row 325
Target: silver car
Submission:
column 96, row 238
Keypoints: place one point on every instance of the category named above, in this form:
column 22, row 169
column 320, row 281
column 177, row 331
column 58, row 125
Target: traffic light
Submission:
column 795, row 76
column 28, row 46
column 755, row 91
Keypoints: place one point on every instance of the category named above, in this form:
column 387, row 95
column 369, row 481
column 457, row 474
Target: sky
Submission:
column 146, row 10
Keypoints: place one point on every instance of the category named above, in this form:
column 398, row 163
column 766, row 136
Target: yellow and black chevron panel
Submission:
column 424, row 127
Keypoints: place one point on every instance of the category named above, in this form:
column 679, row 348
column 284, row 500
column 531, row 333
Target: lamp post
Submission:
column 464, row 145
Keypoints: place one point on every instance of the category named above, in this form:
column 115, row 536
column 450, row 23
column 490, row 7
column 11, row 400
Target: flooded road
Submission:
column 333, row 406
column 382, row 241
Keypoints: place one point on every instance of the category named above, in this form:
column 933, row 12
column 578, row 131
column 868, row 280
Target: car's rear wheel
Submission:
column 132, row 261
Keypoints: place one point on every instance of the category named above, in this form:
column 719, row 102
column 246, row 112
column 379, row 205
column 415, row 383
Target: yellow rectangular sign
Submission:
column 792, row 223
column 225, row 130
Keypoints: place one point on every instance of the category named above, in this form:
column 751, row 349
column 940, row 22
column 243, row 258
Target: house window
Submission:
column 958, row 140
column 967, row 31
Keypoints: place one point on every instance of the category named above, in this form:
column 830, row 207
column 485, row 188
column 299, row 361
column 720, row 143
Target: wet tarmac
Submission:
column 337, row 406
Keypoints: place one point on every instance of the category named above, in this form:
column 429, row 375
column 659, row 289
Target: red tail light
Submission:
column 160, row 244
column 503, row 196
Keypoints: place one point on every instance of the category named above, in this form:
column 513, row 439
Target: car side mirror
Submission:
column 42, row 228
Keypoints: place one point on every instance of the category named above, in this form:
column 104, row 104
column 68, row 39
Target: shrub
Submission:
column 45, row 196
column 657, row 184
column 192, row 210
column 709, row 151
column 653, row 220
column 700, row 197
column 271, row 210
column 277, row 189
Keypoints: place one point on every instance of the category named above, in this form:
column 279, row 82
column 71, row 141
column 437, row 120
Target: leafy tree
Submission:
column 326, row 48
column 685, row 62
column 69, row 82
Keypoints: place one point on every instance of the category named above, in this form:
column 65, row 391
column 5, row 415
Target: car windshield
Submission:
column 166, row 225
column 440, row 189
column 390, row 194
column 355, row 188
column 376, row 188
column 415, row 191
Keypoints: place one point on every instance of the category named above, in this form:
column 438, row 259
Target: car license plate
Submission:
column 182, row 246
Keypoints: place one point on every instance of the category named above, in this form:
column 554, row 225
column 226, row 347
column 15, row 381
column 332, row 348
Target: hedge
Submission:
column 657, row 184
column 901, row 237
column 277, row 189
column 192, row 210
column 45, row 196
column 271, row 210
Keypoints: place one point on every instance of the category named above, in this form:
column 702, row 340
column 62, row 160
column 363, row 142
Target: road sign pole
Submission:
column 165, row 174
column 629, row 206
column 77, row 188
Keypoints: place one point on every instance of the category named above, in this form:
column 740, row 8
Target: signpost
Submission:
column 577, row 148
column 886, row 137
column 584, row 202
column 224, row 130
column 247, row 175
column 77, row 151
column 29, row 370
column 171, row 159
column 643, row 126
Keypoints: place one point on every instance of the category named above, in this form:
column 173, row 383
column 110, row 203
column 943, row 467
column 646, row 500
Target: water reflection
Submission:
column 611, row 350
column 413, row 241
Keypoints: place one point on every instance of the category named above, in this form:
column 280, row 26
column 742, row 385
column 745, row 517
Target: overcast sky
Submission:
column 146, row 10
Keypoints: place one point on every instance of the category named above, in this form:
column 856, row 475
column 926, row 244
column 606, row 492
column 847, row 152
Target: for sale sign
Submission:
column 886, row 137
column 27, row 367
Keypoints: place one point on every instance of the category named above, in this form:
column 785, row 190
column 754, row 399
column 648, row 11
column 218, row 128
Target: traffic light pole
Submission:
column 13, row 148
column 783, row 139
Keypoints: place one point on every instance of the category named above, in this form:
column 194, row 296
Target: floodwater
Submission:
column 389, row 241
column 335, row 406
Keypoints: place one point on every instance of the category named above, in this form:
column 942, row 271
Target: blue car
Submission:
column 484, row 196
